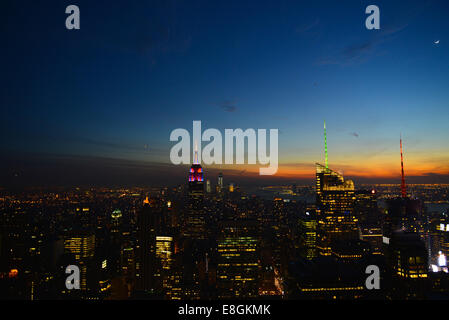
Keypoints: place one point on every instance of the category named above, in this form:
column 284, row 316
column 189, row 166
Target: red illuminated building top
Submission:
column 196, row 171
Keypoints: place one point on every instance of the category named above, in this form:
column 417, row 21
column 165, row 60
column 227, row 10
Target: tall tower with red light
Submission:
column 196, row 178
column 403, row 188
column 195, row 222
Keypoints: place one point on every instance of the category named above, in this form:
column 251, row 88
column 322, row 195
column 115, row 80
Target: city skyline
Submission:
column 193, row 242
column 246, row 173
column 224, row 158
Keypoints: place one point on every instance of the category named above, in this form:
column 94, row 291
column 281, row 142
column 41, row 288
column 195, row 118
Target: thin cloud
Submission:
column 228, row 106
column 308, row 28
column 355, row 51
column 361, row 52
column 129, row 147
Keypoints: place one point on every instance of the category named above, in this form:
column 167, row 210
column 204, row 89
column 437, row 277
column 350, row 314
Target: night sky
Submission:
column 97, row 105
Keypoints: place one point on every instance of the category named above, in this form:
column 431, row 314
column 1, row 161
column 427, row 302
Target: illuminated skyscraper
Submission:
column 238, row 259
column 116, row 229
column 280, row 230
column 164, row 255
column 308, row 227
column 334, row 206
column 220, row 182
column 195, row 223
column 116, row 220
column 82, row 246
column 195, row 232
column 439, row 237
column 444, row 238
column 164, row 251
column 128, row 262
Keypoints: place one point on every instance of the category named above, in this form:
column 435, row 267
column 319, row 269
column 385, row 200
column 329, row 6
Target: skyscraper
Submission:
column 308, row 225
column 195, row 222
column 370, row 223
column 164, row 256
column 441, row 236
column 334, row 206
column 403, row 189
column 81, row 244
column 238, row 259
column 220, row 182
column 149, row 222
column 403, row 213
column 408, row 261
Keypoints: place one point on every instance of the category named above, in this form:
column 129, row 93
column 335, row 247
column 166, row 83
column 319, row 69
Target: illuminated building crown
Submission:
column 196, row 171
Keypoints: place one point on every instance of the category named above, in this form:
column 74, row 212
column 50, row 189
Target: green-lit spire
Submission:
column 325, row 146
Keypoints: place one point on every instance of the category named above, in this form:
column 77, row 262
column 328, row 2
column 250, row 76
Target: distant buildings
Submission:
column 238, row 266
column 209, row 242
column 220, row 183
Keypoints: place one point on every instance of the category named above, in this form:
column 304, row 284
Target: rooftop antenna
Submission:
column 403, row 189
column 195, row 161
column 325, row 146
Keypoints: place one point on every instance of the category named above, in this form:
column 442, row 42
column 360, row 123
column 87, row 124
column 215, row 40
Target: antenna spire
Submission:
column 325, row 146
column 195, row 161
column 403, row 189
